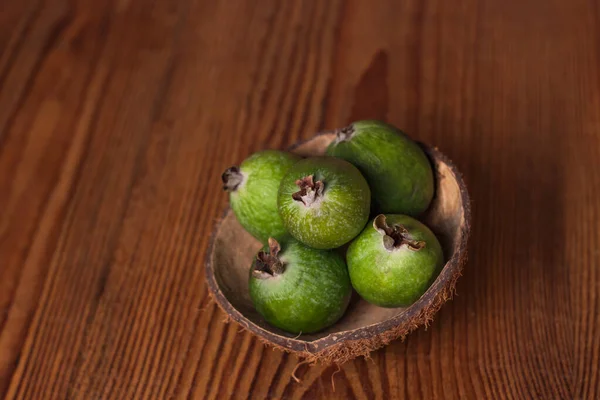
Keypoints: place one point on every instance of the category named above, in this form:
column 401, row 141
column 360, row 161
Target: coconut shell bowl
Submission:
column 364, row 327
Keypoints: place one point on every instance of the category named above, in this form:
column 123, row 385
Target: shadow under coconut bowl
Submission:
column 364, row 327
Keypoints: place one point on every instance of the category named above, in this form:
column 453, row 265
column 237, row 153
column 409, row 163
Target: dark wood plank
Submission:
column 116, row 119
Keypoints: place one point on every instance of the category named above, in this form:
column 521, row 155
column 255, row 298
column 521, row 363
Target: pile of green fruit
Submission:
column 303, row 210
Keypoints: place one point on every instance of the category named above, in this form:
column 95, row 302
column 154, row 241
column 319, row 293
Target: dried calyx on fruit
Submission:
column 232, row 178
column 396, row 235
column 344, row 134
column 310, row 191
column 268, row 263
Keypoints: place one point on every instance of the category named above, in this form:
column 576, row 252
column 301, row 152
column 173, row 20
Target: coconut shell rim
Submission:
column 340, row 347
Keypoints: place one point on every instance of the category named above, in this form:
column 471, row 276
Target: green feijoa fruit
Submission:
column 396, row 168
column 297, row 288
column 394, row 261
column 253, row 190
column 324, row 201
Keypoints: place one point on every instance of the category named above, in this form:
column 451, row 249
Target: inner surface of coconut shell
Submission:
column 364, row 327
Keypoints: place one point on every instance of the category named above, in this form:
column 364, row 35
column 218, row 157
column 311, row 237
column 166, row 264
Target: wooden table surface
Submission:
column 117, row 118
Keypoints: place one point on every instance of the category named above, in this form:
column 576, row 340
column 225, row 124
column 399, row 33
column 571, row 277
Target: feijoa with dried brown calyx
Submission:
column 394, row 260
column 324, row 201
column 297, row 288
column 253, row 190
column 396, row 168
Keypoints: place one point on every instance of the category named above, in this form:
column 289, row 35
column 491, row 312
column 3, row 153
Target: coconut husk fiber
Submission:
column 364, row 327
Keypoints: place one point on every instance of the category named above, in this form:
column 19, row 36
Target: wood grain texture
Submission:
column 117, row 118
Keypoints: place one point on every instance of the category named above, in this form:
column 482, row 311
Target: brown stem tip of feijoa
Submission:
column 396, row 235
column 310, row 191
column 268, row 264
column 232, row 178
column 344, row 134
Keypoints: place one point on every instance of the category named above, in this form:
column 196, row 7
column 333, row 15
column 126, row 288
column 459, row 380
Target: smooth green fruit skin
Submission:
column 339, row 216
column 312, row 293
column 397, row 170
column 255, row 201
column 394, row 278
